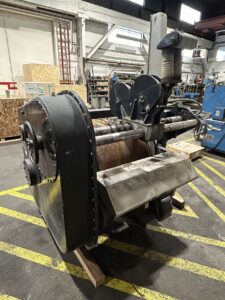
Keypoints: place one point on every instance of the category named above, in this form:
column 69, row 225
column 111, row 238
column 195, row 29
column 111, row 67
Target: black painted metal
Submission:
column 66, row 192
column 100, row 113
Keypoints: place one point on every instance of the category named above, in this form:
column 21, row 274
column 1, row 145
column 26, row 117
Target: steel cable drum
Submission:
column 67, row 187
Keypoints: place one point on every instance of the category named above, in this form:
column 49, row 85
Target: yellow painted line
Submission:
column 190, row 211
column 172, row 261
column 216, row 210
column 211, row 182
column 39, row 221
column 77, row 271
column 187, row 211
column 21, row 195
column 7, row 297
column 215, row 160
column 185, row 235
column 15, row 189
column 219, row 174
column 21, row 216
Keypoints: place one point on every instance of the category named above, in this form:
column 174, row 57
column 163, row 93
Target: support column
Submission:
column 157, row 32
column 81, row 53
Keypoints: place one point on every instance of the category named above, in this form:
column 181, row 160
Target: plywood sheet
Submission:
column 9, row 123
column 80, row 89
column 41, row 73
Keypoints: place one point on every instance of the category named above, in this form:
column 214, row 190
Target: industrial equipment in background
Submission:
column 83, row 178
column 212, row 134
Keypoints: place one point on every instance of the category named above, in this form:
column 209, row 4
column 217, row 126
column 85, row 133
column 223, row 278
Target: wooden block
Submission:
column 189, row 150
column 93, row 270
column 80, row 89
column 9, row 121
column 178, row 201
column 41, row 73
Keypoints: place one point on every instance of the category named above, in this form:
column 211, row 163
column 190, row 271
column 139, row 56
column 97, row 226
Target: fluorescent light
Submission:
column 189, row 14
column 140, row 2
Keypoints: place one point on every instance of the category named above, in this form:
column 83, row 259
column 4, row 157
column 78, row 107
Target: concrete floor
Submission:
column 182, row 257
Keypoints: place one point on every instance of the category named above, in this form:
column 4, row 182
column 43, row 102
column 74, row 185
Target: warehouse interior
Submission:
column 112, row 149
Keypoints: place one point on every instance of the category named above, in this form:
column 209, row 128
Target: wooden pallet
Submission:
column 189, row 150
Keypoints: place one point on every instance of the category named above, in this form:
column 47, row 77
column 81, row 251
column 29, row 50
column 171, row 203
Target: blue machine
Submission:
column 214, row 103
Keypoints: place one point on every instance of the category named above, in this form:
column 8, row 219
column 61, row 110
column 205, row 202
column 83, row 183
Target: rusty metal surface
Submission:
column 119, row 153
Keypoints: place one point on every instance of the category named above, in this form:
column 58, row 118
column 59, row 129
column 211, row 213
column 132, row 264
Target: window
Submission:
column 117, row 37
column 220, row 55
column 187, row 53
column 189, row 14
column 140, row 2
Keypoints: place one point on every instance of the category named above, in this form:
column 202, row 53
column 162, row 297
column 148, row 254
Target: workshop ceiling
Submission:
column 208, row 8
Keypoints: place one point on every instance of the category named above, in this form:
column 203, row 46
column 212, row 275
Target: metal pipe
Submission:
column 119, row 136
column 125, row 127
column 172, row 119
column 111, row 129
column 180, row 125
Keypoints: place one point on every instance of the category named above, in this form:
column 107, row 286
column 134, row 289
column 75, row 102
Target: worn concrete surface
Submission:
column 182, row 257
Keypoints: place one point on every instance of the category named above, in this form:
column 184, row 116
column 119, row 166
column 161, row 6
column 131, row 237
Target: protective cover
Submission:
column 60, row 166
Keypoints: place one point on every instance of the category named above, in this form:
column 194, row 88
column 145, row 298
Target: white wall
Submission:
column 30, row 40
column 23, row 40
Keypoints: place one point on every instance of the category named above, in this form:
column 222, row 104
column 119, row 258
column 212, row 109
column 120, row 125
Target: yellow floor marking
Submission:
column 21, row 195
column 219, row 174
column 21, row 216
column 211, row 182
column 78, row 271
column 215, row 160
column 7, row 297
column 172, row 261
column 187, row 211
column 16, row 189
column 216, row 210
column 188, row 236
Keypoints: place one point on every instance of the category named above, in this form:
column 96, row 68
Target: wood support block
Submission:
column 178, row 201
column 93, row 270
column 189, row 150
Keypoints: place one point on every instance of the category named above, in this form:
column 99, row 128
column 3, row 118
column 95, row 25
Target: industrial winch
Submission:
column 84, row 177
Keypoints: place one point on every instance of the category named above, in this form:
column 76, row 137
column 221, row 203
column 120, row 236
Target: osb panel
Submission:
column 41, row 73
column 80, row 89
column 9, row 123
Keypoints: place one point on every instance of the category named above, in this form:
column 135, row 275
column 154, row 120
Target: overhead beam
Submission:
column 130, row 38
column 87, row 11
column 101, row 41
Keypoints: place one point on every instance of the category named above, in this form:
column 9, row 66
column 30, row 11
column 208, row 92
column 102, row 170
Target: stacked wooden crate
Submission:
column 39, row 80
